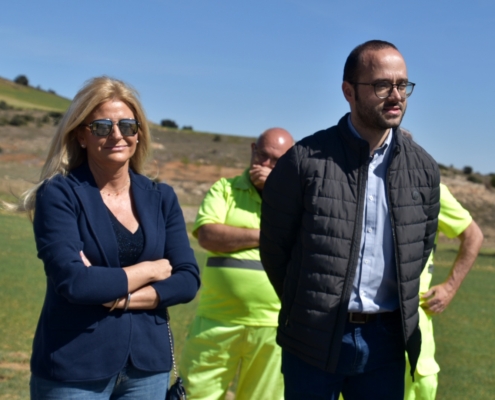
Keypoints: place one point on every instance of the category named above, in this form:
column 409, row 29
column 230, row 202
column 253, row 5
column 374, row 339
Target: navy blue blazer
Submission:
column 77, row 339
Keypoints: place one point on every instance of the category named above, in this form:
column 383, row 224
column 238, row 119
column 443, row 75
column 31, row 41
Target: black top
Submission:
column 130, row 244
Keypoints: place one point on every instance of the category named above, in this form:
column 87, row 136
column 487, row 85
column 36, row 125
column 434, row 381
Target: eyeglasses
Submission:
column 383, row 89
column 104, row 127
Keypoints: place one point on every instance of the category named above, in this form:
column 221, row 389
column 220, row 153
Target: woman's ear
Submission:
column 80, row 137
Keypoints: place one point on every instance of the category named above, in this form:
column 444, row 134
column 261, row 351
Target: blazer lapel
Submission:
column 148, row 202
column 97, row 216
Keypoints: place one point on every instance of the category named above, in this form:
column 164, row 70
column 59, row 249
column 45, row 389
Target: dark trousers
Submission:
column 371, row 366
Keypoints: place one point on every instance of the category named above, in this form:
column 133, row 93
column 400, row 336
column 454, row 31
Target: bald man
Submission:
column 236, row 320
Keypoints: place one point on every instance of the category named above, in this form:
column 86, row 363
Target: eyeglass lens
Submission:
column 384, row 89
column 104, row 127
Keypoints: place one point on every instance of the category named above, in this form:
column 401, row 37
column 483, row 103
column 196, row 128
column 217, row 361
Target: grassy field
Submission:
column 31, row 98
column 465, row 345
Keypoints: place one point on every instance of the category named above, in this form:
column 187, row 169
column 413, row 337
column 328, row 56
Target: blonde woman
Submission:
column 115, row 252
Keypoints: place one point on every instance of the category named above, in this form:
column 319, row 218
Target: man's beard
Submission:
column 372, row 118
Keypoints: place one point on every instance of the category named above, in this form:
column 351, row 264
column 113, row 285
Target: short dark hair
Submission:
column 354, row 60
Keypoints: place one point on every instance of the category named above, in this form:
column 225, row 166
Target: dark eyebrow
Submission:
column 389, row 81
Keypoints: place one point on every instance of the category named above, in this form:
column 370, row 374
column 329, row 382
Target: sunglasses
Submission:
column 104, row 127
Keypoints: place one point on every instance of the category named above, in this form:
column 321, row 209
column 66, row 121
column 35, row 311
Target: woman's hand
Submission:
column 84, row 259
column 147, row 272
column 162, row 268
column 139, row 276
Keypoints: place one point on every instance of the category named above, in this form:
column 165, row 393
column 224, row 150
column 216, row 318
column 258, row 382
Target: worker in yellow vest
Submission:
column 237, row 317
column 454, row 221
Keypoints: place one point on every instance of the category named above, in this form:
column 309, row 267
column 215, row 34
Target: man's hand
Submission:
column 439, row 297
column 258, row 175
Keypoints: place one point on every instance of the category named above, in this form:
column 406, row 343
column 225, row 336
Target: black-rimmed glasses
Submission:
column 104, row 127
column 383, row 89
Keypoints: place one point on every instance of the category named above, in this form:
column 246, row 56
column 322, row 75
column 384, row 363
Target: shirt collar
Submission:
column 385, row 144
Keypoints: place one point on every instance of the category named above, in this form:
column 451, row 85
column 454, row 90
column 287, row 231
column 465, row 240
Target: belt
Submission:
column 363, row 318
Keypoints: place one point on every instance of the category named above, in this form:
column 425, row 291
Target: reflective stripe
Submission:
column 234, row 263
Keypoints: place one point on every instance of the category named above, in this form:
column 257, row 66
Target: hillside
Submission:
column 190, row 161
column 31, row 98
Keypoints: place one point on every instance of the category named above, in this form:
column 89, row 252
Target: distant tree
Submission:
column 51, row 91
column 22, row 80
column 492, row 180
column 467, row 170
column 168, row 123
column 217, row 138
column 187, row 128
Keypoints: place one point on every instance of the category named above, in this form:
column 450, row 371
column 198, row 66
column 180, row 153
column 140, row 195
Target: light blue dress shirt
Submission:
column 375, row 283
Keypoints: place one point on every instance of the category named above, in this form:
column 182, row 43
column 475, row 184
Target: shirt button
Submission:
column 369, row 230
column 370, row 197
column 366, row 261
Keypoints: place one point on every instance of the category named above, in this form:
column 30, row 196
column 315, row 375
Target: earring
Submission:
column 137, row 141
column 83, row 146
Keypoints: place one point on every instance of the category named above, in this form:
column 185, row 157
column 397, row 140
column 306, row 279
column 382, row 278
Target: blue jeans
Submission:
column 130, row 383
column 371, row 366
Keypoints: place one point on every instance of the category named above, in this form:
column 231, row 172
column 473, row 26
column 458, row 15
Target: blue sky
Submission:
column 239, row 67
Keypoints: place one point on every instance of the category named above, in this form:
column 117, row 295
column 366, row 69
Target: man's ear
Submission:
column 349, row 92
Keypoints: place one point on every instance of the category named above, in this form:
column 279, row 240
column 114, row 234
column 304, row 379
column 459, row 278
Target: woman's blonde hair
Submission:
column 65, row 152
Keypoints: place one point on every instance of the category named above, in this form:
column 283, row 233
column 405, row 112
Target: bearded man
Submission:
column 349, row 217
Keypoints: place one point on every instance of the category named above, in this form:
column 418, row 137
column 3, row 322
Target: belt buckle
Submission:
column 361, row 321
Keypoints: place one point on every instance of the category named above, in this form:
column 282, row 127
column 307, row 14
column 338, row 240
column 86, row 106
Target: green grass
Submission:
column 465, row 346
column 31, row 98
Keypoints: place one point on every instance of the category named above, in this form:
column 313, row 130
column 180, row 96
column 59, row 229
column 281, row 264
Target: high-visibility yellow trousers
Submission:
column 213, row 353
column 423, row 387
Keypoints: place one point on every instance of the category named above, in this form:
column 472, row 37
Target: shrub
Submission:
column 217, row 138
column 467, row 170
column 492, row 181
column 168, row 123
column 56, row 116
column 187, row 128
column 19, row 120
column 22, row 80
column 4, row 105
column 474, row 179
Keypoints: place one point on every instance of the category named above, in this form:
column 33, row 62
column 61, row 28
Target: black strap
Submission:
column 234, row 263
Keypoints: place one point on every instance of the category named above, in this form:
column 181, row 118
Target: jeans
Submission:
column 371, row 366
column 129, row 383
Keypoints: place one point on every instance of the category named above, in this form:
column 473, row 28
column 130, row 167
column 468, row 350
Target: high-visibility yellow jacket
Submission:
column 235, row 287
